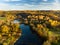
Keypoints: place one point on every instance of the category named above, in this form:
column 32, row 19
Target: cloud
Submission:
column 56, row 4
column 11, row 0
column 43, row 6
column 4, row 6
column 15, row 0
column 45, row 0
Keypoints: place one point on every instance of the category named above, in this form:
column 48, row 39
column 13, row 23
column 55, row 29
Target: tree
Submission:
column 5, row 28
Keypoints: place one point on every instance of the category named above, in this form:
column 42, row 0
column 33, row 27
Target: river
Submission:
column 27, row 37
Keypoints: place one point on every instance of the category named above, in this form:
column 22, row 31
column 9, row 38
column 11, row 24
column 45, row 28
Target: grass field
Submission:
column 2, row 18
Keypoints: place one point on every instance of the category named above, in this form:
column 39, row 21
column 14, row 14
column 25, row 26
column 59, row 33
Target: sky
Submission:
column 29, row 4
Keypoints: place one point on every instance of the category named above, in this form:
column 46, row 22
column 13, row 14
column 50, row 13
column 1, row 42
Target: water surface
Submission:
column 27, row 37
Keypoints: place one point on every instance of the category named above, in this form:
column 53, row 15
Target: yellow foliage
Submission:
column 29, row 16
column 9, row 35
column 50, row 33
column 40, row 32
column 50, row 20
column 41, row 17
column 0, row 35
column 5, row 44
column 10, row 17
column 39, row 26
column 54, row 23
column 5, row 28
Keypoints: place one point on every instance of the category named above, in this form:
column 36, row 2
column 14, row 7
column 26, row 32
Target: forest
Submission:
column 44, row 23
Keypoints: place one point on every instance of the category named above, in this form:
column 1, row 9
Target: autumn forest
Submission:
column 46, row 24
